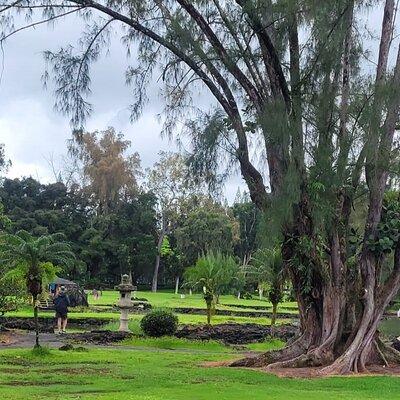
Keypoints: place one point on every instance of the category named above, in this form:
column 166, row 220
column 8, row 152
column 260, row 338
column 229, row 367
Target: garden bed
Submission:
column 47, row 324
column 236, row 333
column 102, row 337
column 232, row 313
column 256, row 307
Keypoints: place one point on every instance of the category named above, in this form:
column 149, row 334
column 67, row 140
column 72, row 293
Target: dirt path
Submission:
column 15, row 339
column 24, row 340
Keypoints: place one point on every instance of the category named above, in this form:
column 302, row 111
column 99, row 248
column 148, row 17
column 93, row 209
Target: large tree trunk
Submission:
column 325, row 340
column 339, row 317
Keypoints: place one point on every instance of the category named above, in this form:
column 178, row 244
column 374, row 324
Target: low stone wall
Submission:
column 231, row 334
column 137, row 307
column 47, row 324
column 234, row 313
column 237, row 333
column 258, row 307
column 99, row 337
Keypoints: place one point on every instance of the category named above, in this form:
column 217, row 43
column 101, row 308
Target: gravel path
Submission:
column 14, row 339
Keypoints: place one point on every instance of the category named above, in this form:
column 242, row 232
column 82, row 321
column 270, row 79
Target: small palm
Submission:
column 33, row 259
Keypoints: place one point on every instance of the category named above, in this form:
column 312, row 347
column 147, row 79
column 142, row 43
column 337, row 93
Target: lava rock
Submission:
column 236, row 333
column 233, row 313
column 103, row 337
column 396, row 344
column 66, row 347
column 47, row 324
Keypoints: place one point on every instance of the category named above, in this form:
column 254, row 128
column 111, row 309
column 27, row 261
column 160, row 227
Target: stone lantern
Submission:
column 125, row 289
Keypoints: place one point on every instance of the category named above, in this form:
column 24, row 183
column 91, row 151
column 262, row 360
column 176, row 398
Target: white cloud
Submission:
column 32, row 131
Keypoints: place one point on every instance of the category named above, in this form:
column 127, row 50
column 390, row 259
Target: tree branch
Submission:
column 266, row 41
column 219, row 48
column 40, row 23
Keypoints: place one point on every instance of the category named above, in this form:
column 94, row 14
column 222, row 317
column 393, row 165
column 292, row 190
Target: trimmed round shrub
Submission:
column 159, row 323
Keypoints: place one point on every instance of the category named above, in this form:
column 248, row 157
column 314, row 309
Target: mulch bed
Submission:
column 102, row 337
column 234, row 313
column 47, row 324
column 236, row 333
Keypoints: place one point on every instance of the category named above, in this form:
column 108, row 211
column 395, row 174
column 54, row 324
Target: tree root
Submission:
column 292, row 351
column 317, row 357
column 390, row 354
column 297, row 355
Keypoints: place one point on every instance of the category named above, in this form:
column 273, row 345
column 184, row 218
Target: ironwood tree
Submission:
column 170, row 182
column 109, row 173
column 291, row 83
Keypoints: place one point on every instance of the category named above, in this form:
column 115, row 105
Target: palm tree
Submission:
column 34, row 259
column 214, row 273
column 267, row 266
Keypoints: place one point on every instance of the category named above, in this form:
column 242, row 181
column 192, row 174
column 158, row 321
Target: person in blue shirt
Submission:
column 61, row 304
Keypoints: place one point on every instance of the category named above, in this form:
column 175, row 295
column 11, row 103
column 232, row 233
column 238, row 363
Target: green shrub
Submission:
column 159, row 323
column 39, row 351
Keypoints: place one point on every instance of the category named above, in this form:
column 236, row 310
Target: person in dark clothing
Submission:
column 61, row 303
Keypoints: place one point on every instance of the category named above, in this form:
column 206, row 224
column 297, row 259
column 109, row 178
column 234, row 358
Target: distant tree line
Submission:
column 119, row 219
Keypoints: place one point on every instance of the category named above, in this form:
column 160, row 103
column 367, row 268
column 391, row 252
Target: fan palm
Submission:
column 33, row 259
column 267, row 266
column 214, row 273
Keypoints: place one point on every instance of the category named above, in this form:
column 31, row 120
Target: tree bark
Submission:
column 177, row 285
column 158, row 257
column 274, row 312
column 36, row 320
column 338, row 318
column 209, row 309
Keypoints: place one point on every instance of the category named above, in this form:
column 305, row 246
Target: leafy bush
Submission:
column 159, row 323
column 12, row 295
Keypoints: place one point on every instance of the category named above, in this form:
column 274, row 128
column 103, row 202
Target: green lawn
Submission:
column 26, row 312
column 168, row 299
column 173, row 343
column 155, row 374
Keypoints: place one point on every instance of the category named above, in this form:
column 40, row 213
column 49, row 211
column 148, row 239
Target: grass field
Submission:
column 173, row 343
column 26, row 312
column 155, row 374
column 168, row 299
column 142, row 368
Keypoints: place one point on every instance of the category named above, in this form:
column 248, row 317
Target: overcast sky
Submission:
column 33, row 132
